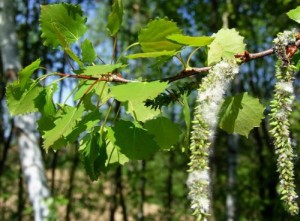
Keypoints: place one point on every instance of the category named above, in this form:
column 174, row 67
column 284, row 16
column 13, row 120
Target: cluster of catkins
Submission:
column 210, row 96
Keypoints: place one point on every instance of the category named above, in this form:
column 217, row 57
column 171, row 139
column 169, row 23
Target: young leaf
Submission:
column 25, row 73
column 88, row 52
column 64, row 125
column 153, row 37
column 154, row 54
column 138, row 90
column 190, row 41
column 294, row 14
column 240, row 114
column 165, row 132
column 115, row 17
column 226, row 44
column 133, row 140
column 22, row 101
column 61, row 20
column 98, row 70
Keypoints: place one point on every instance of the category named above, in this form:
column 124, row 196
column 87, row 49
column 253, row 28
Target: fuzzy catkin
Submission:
column 210, row 96
column 281, row 108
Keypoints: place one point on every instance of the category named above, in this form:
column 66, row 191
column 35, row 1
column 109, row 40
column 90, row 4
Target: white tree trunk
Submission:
column 30, row 154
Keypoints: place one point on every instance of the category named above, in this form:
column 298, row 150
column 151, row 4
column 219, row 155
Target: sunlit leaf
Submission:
column 98, row 70
column 294, row 14
column 190, row 40
column 115, row 17
column 138, row 90
column 61, row 20
column 153, row 36
column 154, row 54
column 226, row 44
column 88, row 52
column 240, row 114
column 26, row 72
column 64, row 125
column 22, row 101
column 139, row 111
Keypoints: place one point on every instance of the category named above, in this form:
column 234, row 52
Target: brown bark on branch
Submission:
column 244, row 57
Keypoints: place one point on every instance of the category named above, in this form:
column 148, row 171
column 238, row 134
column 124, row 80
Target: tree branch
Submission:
column 244, row 57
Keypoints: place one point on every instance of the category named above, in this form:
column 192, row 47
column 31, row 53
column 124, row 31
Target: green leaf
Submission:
column 22, row 101
column 138, row 90
column 133, row 140
column 241, row 113
column 84, row 85
column 226, row 44
column 165, row 132
column 153, row 36
column 190, row 41
column 25, row 73
column 93, row 154
column 88, row 52
column 154, row 54
column 113, row 152
column 294, row 14
column 135, row 94
column 98, row 70
column 61, row 21
column 139, row 111
column 86, row 124
column 64, row 125
column 44, row 101
column 115, row 18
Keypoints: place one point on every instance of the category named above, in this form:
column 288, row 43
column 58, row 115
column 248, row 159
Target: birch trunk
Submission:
column 30, row 154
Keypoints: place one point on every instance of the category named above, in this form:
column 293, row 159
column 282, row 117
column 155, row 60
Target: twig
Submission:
column 244, row 57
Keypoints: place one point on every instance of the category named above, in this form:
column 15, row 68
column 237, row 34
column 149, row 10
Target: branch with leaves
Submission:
column 144, row 131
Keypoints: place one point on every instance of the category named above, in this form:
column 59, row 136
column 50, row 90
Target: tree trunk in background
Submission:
column 30, row 154
column 231, row 200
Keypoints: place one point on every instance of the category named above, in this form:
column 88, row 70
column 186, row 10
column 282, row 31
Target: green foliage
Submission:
column 134, row 94
column 25, row 74
column 46, row 105
column 295, row 14
column 152, row 54
column 133, row 140
column 64, row 124
column 241, row 113
column 61, row 24
column 98, row 70
column 165, row 132
column 226, row 43
column 23, row 101
column 153, row 38
column 190, row 41
column 115, row 17
column 88, row 52
column 93, row 154
column 107, row 139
